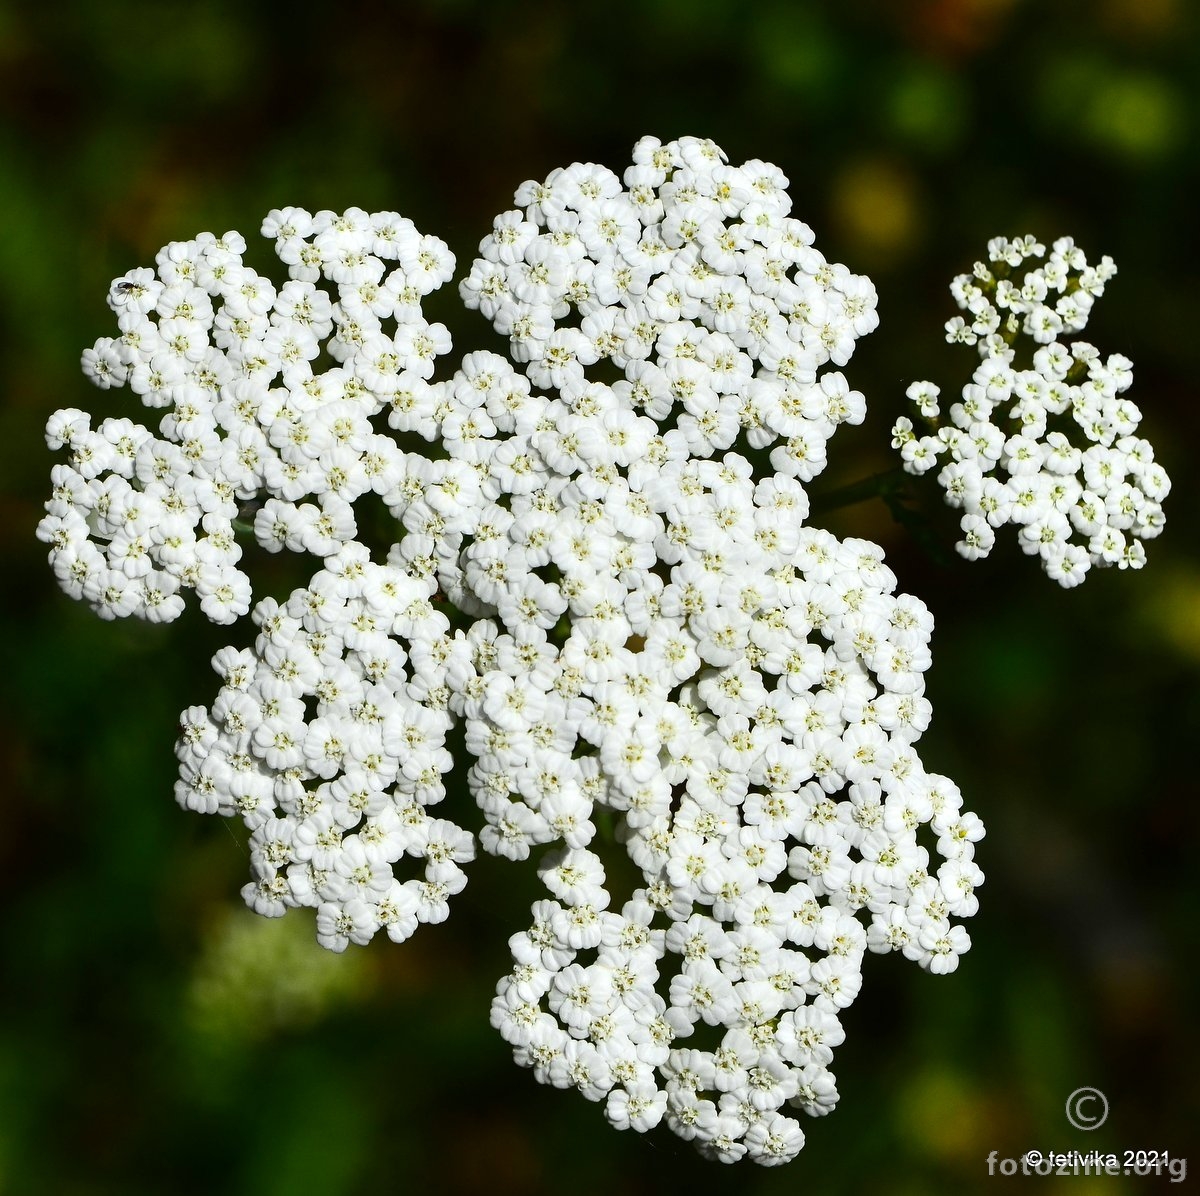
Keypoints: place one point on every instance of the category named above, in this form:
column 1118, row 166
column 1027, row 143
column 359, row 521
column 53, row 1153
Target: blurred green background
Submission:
column 157, row 1038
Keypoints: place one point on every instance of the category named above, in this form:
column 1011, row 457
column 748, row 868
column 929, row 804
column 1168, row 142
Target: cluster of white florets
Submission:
column 690, row 277
column 250, row 426
column 1046, row 444
column 741, row 692
column 751, row 727
column 645, row 634
column 328, row 740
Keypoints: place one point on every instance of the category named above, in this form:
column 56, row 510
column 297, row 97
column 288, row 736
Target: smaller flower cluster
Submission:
column 328, row 740
column 250, row 427
column 1047, row 444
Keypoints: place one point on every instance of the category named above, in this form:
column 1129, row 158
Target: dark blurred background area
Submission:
column 156, row 1037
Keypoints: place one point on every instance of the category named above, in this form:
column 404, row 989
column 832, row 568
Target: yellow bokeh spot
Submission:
column 1145, row 17
column 948, row 1118
column 1170, row 610
column 876, row 204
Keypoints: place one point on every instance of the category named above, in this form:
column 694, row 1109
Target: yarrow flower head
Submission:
column 1042, row 436
column 603, row 571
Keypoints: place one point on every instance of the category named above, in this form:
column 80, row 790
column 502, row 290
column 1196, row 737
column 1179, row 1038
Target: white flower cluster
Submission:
column 328, row 740
column 644, row 635
column 1049, row 443
column 250, row 427
column 691, row 279
column 752, row 727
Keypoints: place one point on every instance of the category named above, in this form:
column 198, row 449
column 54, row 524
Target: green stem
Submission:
column 894, row 487
column 879, row 485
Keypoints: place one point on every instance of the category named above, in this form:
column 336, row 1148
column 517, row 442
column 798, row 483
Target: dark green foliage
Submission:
column 145, row 1047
